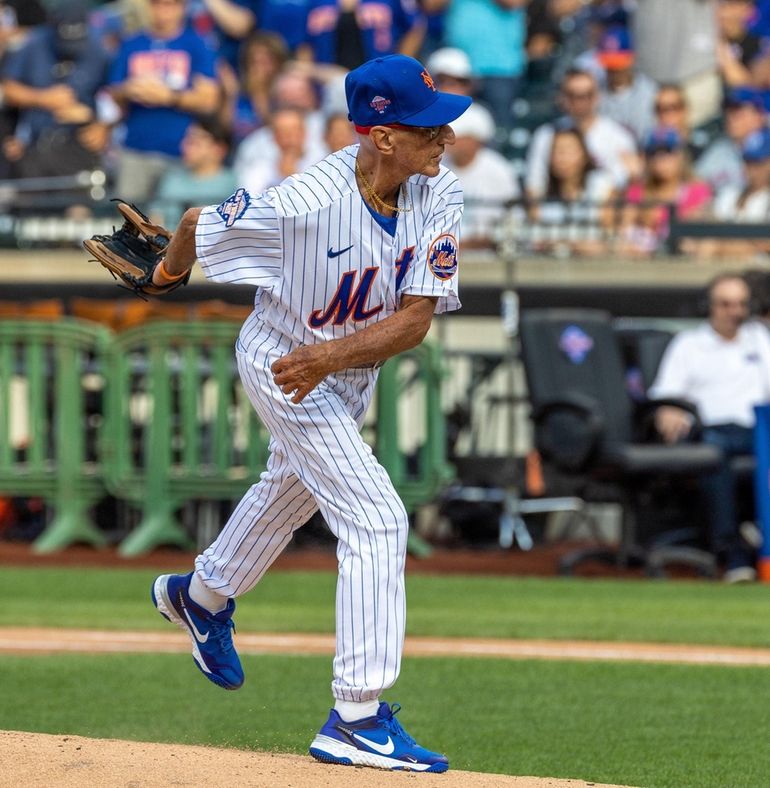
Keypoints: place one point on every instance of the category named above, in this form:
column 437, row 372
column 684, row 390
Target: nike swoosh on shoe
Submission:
column 201, row 638
column 383, row 749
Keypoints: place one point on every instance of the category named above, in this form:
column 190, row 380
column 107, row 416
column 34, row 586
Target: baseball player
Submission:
column 350, row 259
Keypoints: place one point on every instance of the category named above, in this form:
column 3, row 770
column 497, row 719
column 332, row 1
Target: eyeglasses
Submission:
column 660, row 109
column 431, row 133
column 724, row 303
column 575, row 95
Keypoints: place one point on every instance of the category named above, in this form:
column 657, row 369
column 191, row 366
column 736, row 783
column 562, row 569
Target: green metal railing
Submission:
column 157, row 416
column 409, row 412
column 51, row 378
column 180, row 426
column 410, row 430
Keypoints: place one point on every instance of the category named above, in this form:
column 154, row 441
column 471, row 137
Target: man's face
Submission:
column 728, row 306
column 289, row 131
column 339, row 133
column 199, row 148
column 742, row 120
column 167, row 15
column 733, row 16
column 420, row 149
column 671, row 110
column 579, row 97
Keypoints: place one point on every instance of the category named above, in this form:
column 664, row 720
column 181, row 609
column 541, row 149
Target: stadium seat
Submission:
column 589, row 427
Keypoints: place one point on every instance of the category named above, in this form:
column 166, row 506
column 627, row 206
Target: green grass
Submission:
column 674, row 612
column 644, row 725
column 634, row 724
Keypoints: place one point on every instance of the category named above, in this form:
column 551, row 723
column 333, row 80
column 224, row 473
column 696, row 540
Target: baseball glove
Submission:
column 133, row 251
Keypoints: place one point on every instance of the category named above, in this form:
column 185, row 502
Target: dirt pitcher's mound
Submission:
column 40, row 760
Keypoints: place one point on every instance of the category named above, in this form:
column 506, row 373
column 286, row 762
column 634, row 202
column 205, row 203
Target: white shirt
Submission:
column 633, row 107
column 756, row 208
column 323, row 267
column 724, row 379
column 259, row 146
column 586, row 209
column 487, row 182
column 607, row 141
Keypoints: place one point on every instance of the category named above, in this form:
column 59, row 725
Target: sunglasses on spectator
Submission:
column 725, row 303
column 658, row 149
column 578, row 95
column 673, row 107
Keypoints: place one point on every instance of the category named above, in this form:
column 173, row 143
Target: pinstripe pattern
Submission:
column 318, row 459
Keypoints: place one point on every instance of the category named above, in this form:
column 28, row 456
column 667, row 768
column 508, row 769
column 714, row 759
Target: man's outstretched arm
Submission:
column 304, row 368
column 180, row 253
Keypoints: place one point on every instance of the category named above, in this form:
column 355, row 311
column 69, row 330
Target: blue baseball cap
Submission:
column 738, row 97
column 614, row 50
column 663, row 139
column 398, row 90
column 756, row 147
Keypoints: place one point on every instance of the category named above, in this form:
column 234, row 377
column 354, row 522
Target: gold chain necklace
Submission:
column 375, row 198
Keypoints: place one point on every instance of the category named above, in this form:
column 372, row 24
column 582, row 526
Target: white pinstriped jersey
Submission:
column 323, row 266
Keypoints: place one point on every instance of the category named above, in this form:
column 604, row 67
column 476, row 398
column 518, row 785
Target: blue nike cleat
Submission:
column 211, row 633
column 377, row 741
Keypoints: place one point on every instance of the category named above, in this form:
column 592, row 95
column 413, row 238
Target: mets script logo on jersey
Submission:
column 350, row 299
column 442, row 257
column 379, row 103
column 234, row 207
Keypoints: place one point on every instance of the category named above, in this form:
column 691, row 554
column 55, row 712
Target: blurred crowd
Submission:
column 594, row 120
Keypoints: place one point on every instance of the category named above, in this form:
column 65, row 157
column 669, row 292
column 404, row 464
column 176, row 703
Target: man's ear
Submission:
column 382, row 139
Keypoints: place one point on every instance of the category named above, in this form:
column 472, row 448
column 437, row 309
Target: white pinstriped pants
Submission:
column 318, row 460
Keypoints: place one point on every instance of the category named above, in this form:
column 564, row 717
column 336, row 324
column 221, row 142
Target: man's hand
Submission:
column 57, row 98
column 302, row 370
column 94, row 136
column 149, row 91
column 672, row 423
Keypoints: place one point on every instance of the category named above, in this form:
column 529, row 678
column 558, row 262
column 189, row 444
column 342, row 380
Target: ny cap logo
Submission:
column 428, row 80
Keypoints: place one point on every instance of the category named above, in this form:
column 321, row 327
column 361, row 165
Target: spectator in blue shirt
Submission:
column 52, row 79
column 349, row 32
column 493, row 33
column 161, row 77
column 17, row 18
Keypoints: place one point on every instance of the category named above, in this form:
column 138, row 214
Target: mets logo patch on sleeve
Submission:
column 234, row 207
column 442, row 257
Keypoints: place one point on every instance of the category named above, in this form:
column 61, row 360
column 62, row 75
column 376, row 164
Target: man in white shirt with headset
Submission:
column 723, row 368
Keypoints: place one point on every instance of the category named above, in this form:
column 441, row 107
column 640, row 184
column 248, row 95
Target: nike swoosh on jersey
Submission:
column 332, row 253
column 383, row 749
column 198, row 636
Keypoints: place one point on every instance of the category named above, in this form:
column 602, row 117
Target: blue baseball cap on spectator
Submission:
column 614, row 50
column 738, row 97
column 398, row 90
column 756, row 147
column 663, row 139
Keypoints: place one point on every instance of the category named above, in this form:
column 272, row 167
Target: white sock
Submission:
column 351, row 711
column 205, row 597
